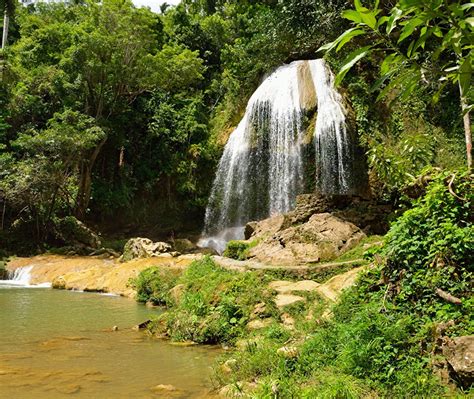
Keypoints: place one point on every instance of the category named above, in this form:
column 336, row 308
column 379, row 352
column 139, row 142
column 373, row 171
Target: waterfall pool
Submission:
column 60, row 344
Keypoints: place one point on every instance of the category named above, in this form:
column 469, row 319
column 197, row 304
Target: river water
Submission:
column 60, row 344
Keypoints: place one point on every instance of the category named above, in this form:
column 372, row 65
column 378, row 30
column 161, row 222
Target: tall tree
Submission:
column 8, row 8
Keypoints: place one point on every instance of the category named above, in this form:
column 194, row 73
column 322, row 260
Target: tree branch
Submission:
column 448, row 297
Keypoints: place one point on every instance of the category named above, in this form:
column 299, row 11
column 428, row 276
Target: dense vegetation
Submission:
column 380, row 340
column 109, row 112
column 117, row 116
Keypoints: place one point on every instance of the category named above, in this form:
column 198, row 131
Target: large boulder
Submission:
column 322, row 238
column 264, row 228
column 143, row 248
column 183, row 245
column 459, row 353
column 309, row 204
column 73, row 232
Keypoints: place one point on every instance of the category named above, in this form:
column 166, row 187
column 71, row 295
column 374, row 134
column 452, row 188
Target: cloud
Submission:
column 154, row 4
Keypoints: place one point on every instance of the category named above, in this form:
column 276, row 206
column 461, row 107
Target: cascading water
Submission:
column 262, row 169
column 335, row 149
column 260, row 172
column 21, row 277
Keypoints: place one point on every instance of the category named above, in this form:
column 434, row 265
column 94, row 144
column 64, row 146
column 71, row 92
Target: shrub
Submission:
column 380, row 339
column 153, row 285
column 237, row 249
column 430, row 247
column 215, row 305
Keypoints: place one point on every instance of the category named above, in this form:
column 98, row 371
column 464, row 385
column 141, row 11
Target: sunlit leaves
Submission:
column 350, row 61
column 412, row 38
column 342, row 40
column 409, row 28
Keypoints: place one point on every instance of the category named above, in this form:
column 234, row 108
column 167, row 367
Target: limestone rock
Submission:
column 59, row 283
column 459, row 353
column 177, row 292
column 183, row 245
column 229, row 366
column 308, row 100
column 259, row 310
column 288, row 321
column 164, row 388
column 143, row 248
column 258, row 324
column 249, row 229
column 332, row 288
column 322, row 238
column 284, row 287
column 290, row 352
column 237, row 390
column 282, row 300
column 310, row 204
column 266, row 227
column 142, row 326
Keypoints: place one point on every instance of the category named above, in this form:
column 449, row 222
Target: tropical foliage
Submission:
column 428, row 42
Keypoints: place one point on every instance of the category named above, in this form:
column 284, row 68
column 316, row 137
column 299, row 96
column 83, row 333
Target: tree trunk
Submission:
column 467, row 129
column 6, row 21
column 85, row 183
column 468, row 134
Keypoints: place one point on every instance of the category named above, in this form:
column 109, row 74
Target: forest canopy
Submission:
column 108, row 110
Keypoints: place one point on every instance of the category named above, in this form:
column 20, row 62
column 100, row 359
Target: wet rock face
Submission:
column 136, row 248
column 459, row 353
column 306, row 89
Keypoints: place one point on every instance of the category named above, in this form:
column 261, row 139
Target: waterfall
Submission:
column 335, row 149
column 21, row 277
column 262, row 169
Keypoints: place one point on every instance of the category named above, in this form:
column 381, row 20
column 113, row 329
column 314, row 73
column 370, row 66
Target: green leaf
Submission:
column 369, row 19
column 382, row 21
column 348, row 37
column 352, row 15
column 358, row 5
column 465, row 73
column 389, row 62
column 396, row 15
column 350, row 61
column 342, row 39
column 467, row 6
column 409, row 28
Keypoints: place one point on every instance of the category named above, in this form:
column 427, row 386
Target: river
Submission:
column 60, row 344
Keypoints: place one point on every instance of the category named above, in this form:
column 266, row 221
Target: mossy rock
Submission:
column 139, row 247
column 75, row 233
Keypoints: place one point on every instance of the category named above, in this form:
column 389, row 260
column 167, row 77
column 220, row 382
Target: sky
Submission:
column 154, row 4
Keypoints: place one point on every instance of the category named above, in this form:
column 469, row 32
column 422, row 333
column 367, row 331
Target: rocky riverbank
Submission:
column 93, row 273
